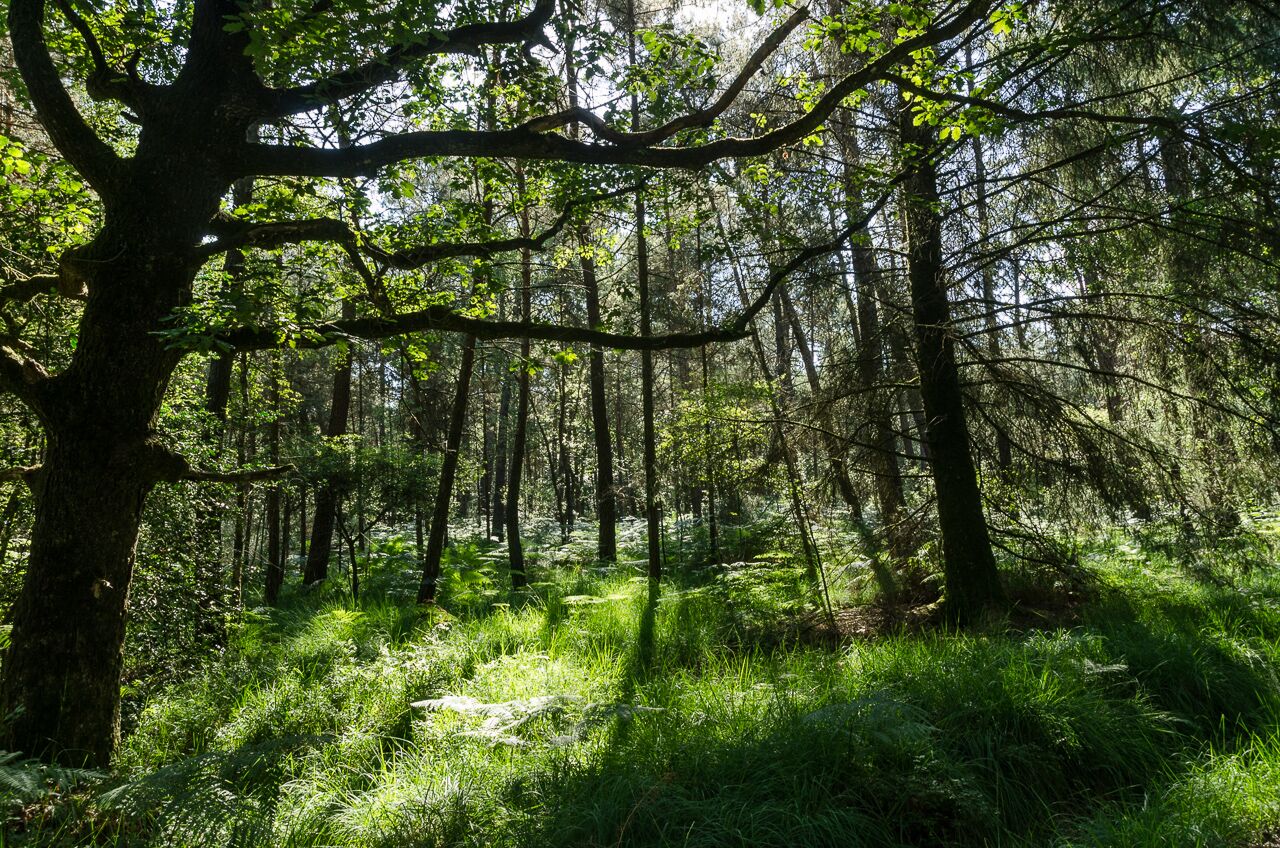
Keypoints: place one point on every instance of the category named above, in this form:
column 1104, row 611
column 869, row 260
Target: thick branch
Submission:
column 387, row 68
column 26, row 290
column 75, row 140
column 23, row 473
column 168, row 466
column 444, row 319
column 233, row 233
column 416, row 257
column 241, row 477
column 525, row 143
column 22, row 376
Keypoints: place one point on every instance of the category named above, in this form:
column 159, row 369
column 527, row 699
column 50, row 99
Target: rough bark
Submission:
column 969, row 568
column 326, row 504
column 520, row 433
column 448, row 471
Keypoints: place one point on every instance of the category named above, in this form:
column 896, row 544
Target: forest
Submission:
column 631, row 422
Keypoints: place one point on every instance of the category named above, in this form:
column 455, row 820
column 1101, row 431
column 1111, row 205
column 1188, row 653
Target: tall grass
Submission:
column 580, row 713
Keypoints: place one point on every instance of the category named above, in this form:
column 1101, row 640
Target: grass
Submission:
column 581, row 713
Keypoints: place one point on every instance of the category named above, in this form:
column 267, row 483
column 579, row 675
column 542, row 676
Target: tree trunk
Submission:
column 321, row 547
column 519, row 438
column 499, row 509
column 969, row 567
column 61, row 686
column 605, row 497
column 448, row 470
column 830, row 441
column 865, row 317
column 275, row 556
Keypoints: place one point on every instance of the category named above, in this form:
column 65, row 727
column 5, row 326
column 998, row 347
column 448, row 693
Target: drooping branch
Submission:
column 388, row 67
column 525, row 143
column 443, row 319
column 1021, row 115
column 67, row 129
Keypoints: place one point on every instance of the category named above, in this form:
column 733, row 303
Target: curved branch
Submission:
column 73, row 137
column 467, row 39
column 233, row 233
column 23, row 377
column 444, row 319
column 416, row 257
column 692, row 120
column 525, row 143
column 1014, row 114
column 241, row 477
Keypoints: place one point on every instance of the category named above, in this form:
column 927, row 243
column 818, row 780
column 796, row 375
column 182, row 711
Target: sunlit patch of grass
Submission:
column 578, row 713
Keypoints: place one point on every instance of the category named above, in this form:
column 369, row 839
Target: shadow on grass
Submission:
column 938, row 740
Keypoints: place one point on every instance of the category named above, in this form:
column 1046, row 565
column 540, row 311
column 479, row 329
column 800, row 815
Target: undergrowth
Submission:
column 580, row 713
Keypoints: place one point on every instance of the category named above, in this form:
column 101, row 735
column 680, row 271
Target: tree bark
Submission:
column 275, row 554
column 326, row 504
column 500, row 450
column 448, row 471
column 520, row 434
column 969, row 568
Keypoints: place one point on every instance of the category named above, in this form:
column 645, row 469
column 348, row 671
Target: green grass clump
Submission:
column 581, row 713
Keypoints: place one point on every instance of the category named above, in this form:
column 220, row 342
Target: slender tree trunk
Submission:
column 605, row 496
column 564, row 466
column 651, row 508
column 865, row 316
column 499, row 509
column 969, row 567
column 1004, row 447
column 275, row 558
column 519, row 438
column 240, row 540
column 830, row 441
column 321, row 547
column 448, row 470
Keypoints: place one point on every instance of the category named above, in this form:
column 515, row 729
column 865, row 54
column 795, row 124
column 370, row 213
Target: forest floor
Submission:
column 581, row 712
